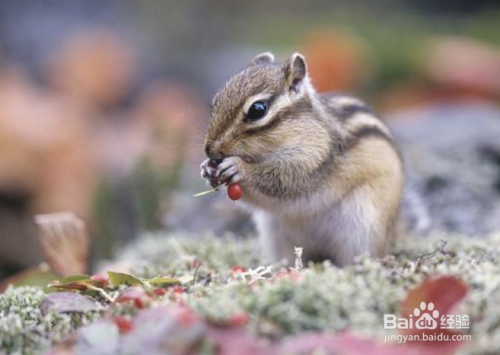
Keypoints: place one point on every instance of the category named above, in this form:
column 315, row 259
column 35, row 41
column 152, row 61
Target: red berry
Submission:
column 177, row 289
column 159, row 291
column 237, row 269
column 124, row 325
column 234, row 191
column 238, row 319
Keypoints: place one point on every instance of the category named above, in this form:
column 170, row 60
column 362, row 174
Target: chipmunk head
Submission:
column 263, row 109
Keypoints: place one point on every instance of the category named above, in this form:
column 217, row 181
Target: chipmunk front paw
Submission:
column 224, row 172
column 230, row 170
column 209, row 172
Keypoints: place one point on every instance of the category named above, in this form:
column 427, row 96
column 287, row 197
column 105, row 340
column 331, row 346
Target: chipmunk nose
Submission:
column 213, row 153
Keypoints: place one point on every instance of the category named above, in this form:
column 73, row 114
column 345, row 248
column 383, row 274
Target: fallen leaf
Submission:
column 81, row 283
column 73, row 278
column 38, row 276
column 163, row 281
column 68, row 302
column 118, row 279
column 64, row 241
column 445, row 292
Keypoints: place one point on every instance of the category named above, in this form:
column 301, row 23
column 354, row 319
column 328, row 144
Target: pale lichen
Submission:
column 25, row 330
column 283, row 301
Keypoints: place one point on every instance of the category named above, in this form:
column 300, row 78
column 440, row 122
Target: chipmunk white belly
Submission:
column 339, row 231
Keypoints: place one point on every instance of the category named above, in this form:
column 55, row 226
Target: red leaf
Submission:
column 443, row 291
column 68, row 302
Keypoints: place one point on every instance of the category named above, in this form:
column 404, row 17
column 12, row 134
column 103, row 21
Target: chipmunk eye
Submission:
column 257, row 110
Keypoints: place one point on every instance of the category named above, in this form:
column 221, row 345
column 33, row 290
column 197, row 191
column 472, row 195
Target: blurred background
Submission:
column 103, row 104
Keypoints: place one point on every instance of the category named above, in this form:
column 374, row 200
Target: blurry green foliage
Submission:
column 394, row 37
column 131, row 205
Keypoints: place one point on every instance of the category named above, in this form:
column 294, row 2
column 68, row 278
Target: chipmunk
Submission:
column 318, row 171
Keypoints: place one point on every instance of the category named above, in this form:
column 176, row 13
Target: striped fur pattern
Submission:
column 318, row 171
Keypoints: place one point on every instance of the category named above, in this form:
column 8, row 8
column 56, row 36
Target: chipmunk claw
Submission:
column 208, row 172
column 203, row 169
column 229, row 171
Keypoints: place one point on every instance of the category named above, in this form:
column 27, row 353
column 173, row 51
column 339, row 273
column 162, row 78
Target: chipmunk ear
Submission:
column 263, row 58
column 295, row 71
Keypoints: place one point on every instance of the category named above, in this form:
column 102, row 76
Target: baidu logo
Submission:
column 426, row 317
column 426, row 321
